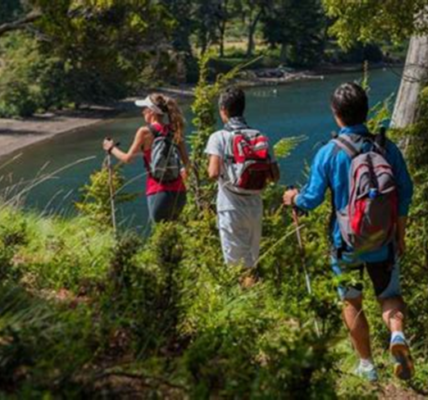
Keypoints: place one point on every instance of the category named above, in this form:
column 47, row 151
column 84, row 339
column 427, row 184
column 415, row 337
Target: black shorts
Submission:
column 384, row 275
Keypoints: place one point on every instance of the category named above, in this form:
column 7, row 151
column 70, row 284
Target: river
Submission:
column 300, row 108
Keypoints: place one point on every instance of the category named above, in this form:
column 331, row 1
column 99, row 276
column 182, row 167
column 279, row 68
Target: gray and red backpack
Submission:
column 369, row 220
column 165, row 162
column 248, row 164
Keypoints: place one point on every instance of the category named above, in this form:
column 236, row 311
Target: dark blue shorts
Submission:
column 165, row 206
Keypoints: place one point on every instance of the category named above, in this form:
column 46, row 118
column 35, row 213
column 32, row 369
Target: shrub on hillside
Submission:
column 96, row 196
column 29, row 81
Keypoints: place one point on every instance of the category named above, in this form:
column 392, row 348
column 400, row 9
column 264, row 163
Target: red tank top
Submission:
column 154, row 186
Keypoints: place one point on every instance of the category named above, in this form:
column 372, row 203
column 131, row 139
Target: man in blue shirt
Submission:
column 331, row 169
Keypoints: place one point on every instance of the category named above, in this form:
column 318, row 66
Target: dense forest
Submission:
column 67, row 53
column 89, row 313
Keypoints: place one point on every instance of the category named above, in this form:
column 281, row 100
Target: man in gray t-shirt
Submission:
column 239, row 214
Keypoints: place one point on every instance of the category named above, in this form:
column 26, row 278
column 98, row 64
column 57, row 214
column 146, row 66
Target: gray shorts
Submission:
column 240, row 235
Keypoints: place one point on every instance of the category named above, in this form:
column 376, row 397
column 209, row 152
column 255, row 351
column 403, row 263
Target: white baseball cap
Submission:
column 148, row 103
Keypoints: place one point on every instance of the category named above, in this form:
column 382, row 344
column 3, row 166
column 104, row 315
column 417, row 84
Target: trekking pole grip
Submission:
column 297, row 212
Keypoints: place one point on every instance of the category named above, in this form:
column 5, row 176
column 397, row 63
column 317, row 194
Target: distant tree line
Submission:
column 69, row 52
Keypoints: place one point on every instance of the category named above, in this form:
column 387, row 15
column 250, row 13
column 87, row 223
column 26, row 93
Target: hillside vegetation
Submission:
column 85, row 313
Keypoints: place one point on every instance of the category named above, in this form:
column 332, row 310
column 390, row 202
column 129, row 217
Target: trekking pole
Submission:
column 111, row 189
column 295, row 215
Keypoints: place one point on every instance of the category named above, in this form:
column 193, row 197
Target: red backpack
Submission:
column 370, row 218
column 248, row 164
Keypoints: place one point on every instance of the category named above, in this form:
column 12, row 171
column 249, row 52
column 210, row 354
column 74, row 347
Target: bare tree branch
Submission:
column 20, row 23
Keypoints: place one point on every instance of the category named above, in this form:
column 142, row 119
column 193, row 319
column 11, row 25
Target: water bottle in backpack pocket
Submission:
column 369, row 220
column 248, row 164
column 165, row 162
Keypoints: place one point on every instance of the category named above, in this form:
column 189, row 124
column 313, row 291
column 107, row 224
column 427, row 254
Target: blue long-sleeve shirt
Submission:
column 331, row 167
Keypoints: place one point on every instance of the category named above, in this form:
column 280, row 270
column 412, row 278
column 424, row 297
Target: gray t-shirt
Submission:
column 226, row 199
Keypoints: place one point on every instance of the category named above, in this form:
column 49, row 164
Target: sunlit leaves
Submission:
column 285, row 146
column 373, row 20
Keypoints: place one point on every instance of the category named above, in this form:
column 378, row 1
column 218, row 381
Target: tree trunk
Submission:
column 251, row 32
column 415, row 76
column 222, row 34
column 283, row 55
column 224, row 16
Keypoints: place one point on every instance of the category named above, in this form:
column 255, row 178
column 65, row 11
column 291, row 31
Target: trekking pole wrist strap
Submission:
column 112, row 147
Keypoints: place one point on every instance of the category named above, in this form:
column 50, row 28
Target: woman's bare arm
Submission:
column 139, row 141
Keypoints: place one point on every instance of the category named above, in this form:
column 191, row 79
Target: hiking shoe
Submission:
column 367, row 373
column 403, row 364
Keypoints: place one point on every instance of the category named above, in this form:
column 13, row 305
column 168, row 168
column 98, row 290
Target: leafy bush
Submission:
column 163, row 317
column 29, row 80
column 13, row 235
column 96, row 195
column 357, row 54
column 43, row 343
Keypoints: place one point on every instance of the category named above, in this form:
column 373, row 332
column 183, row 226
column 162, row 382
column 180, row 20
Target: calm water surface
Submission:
column 301, row 108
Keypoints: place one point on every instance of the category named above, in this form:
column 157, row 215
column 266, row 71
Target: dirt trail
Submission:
column 392, row 392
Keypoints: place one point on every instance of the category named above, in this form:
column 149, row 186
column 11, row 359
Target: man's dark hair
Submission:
column 350, row 103
column 232, row 100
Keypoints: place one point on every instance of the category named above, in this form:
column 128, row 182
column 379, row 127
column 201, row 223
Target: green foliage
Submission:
column 9, row 10
column 96, row 195
column 356, row 54
column 42, row 342
column 380, row 113
column 82, row 306
column 248, row 341
column 164, row 297
column 85, row 52
column 170, row 305
column 414, row 264
column 42, row 252
column 210, row 20
column 13, row 235
column 301, row 34
column 181, row 13
column 416, row 143
column 285, row 146
column 29, row 80
column 253, row 346
column 371, row 20
column 98, row 41
column 94, row 52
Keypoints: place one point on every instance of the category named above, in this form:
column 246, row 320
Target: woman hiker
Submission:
column 164, row 152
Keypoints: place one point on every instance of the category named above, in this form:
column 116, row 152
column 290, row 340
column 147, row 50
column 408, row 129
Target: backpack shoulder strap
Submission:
column 380, row 140
column 347, row 145
column 153, row 131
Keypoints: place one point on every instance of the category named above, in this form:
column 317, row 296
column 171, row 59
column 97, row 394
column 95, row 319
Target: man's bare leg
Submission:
column 358, row 327
column 393, row 314
column 393, row 310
